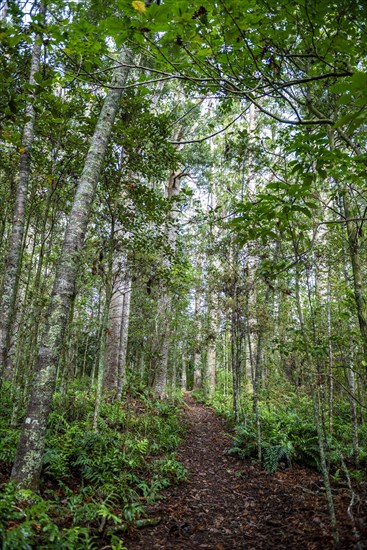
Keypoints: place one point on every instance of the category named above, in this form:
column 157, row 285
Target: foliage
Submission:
column 261, row 255
column 92, row 479
column 288, row 436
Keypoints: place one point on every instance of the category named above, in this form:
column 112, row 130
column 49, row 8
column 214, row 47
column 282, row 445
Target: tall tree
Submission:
column 28, row 461
column 8, row 291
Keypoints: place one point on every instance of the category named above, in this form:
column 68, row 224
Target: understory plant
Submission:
column 288, row 432
column 95, row 482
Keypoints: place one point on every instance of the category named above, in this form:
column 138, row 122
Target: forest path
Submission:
column 232, row 504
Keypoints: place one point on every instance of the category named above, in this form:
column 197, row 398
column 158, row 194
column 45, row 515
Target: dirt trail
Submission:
column 231, row 504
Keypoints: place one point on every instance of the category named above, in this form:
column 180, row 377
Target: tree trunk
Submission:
column 101, row 360
column 162, row 344
column 102, row 356
column 124, row 333
column 13, row 262
column 4, row 11
column 212, row 342
column 351, row 376
column 354, row 251
column 184, row 374
column 28, row 461
column 115, row 314
column 323, row 465
column 330, row 350
column 316, row 405
column 164, row 305
column 197, row 384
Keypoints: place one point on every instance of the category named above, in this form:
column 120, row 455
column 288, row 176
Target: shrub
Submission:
column 91, row 479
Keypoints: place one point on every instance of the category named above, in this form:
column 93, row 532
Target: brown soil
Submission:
column 228, row 503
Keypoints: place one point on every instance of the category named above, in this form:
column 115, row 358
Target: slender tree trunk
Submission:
column 355, row 258
column 4, row 10
column 141, row 368
column 161, row 351
column 198, row 380
column 103, row 334
column 351, row 376
column 85, row 355
column 124, row 333
column 257, row 379
column 211, row 368
column 9, row 288
column 250, row 366
column 173, row 380
column 236, row 340
column 116, row 309
column 324, row 467
column 28, row 460
column 330, row 350
column 316, row 406
column 212, row 344
column 354, row 251
column 197, row 384
column 353, row 412
column 184, row 373
column 235, row 358
column 65, row 366
column 164, row 305
column 98, row 323
column 101, row 362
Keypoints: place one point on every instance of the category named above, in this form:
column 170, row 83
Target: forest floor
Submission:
column 228, row 503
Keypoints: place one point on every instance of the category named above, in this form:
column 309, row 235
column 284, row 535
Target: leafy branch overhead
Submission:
column 183, row 274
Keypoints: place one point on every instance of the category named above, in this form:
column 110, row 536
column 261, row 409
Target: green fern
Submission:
column 111, row 473
column 8, row 444
column 274, row 455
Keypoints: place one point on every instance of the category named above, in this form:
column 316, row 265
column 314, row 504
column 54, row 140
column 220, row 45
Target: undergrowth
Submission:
column 95, row 483
column 288, row 433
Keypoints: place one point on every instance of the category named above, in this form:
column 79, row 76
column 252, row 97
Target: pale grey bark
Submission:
column 351, row 377
column 324, row 467
column 184, row 374
column 164, row 304
column 261, row 329
column 28, row 461
column 316, row 407
column 355, row 258
column 198, row 379
column 353, row 412
column 330, row 350
column 116, row 310
column 236, row 337
column 101, row 361
column 257, row 379
column 4, row 11
column 13, row 262
column 172, row 385
column 142, row 367
column 212, row 346
column 162, row 344
column 124, row 333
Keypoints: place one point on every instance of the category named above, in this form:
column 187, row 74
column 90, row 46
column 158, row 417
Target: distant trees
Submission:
column 225, row 250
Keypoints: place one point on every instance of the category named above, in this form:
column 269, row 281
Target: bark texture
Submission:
column 9, row 288
column 164, row 304
column 212, row 345
column 184, row 374
column 114, row 325
column 355, row 258
column 198, row 381
column 28, row 461
column 118, row 323
column 124, row 333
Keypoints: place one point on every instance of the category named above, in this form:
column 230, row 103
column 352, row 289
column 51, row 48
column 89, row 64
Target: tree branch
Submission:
column 200, row 140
